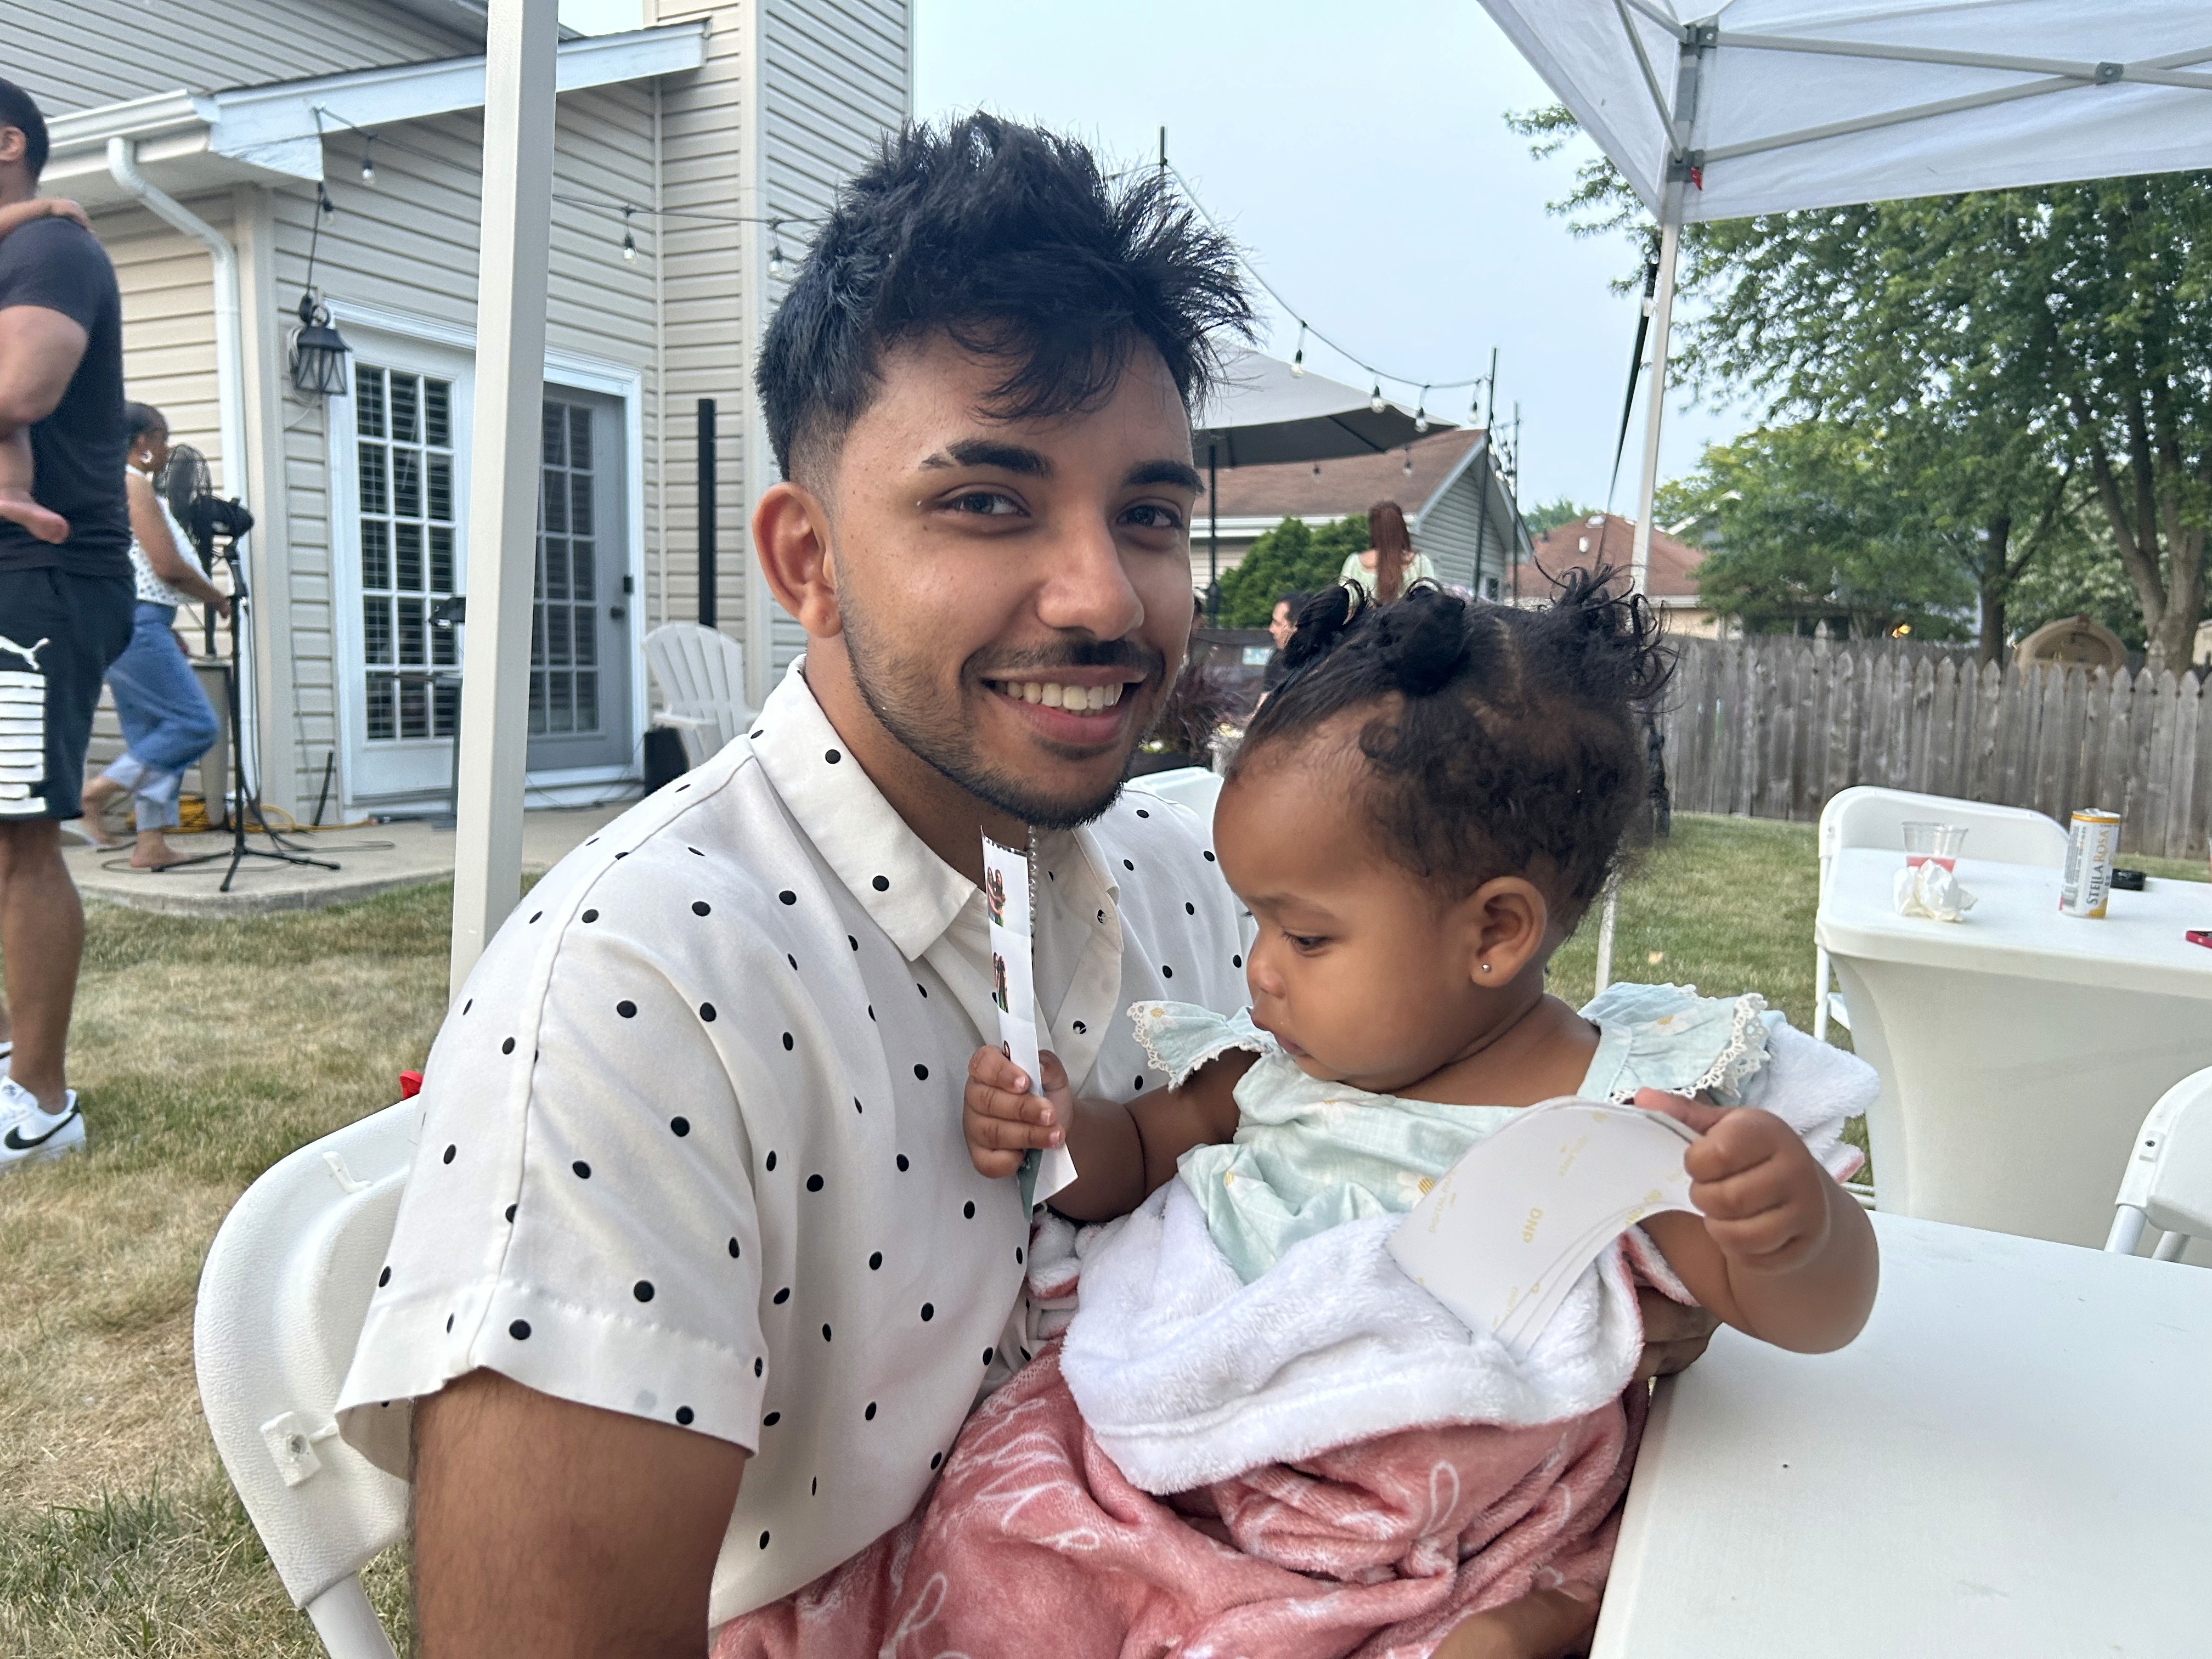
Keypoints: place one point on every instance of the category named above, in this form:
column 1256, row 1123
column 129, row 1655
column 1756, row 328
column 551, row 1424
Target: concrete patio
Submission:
column 371, row 858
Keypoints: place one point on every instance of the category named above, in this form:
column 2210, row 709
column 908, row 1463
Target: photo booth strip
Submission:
column 1008, row 895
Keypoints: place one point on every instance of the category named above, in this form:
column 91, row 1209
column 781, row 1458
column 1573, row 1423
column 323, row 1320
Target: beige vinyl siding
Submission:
column 1448, row 526
column 78, row 54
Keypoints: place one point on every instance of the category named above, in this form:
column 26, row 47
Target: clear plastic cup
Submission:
column 1939, row 841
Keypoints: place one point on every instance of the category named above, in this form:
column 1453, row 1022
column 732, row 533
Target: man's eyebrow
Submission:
column 1180, row 474
column 1017, row 458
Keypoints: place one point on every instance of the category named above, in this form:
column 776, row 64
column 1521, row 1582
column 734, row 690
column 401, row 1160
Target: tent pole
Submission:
column 1212, row 534
column 522, row 39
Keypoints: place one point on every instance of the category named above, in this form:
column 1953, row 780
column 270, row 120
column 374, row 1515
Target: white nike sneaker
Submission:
column 28, row 1134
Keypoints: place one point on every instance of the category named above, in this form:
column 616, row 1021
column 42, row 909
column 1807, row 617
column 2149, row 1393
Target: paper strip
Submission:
column 1008, row 896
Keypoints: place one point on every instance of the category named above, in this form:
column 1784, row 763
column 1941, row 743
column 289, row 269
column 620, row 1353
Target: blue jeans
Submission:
column 167, row 722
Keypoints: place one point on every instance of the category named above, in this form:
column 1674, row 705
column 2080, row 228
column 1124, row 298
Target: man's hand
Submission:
column 1002, row 1120
column 558, row 1531
column 1674, row 1336
column 1764, row 1199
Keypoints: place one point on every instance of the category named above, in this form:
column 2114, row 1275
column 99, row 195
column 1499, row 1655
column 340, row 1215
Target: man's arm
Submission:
column 40, row 350
column 558, row 1531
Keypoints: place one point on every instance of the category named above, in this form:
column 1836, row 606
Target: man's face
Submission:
column 16, row 184
column 1014, row 598
column 1280, row 624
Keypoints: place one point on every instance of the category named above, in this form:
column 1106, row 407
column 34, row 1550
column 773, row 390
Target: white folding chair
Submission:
column 701, row 677
column 2167, row 1183
column 1866, row 816
column 1195, row 787
column 282, row 1301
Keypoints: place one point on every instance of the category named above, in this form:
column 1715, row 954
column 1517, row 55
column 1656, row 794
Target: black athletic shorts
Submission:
column 59, row 632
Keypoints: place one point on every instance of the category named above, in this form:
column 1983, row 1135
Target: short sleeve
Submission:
column 1179, row 1038
column 581, row 1214
column 56, row 265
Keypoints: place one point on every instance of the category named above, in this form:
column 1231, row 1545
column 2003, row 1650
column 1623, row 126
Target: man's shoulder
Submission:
column 56, row 265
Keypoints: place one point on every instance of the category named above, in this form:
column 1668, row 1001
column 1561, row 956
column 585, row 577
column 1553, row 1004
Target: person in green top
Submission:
column 1389, row 566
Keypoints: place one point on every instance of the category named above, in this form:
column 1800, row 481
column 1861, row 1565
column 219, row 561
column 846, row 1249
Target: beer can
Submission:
column 2091, row 847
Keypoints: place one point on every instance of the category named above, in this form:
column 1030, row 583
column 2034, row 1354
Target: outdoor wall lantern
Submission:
column 319, row 351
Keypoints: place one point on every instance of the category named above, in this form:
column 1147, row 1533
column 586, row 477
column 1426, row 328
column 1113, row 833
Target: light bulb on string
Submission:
column 327, row 208
column 777, row 264
column 1375, row 401
column 1420, row 421
column 1409, row 460
column 368, row 159
column 630, row 242
column 1298, row 357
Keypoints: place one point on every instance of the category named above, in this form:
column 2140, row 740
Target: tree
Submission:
column 1806, row 525
column 1552, row 514
column 1293, row 556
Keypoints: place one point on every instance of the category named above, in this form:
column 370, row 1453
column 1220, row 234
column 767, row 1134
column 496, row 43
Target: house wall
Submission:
column 1449, row 527
column 72, row 55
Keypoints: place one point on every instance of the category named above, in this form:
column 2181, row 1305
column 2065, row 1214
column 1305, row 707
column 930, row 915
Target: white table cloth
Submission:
column 2011, row 1462
column 2019, row 1048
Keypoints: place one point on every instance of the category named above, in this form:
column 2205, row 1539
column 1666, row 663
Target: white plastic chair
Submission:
column 2168, row 1180
column 282, row 1301
column 1195, row 787
column 1866, row 816
column 701, row 676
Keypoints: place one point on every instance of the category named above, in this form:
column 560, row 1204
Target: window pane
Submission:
column 368, row 401
column 557, row 635
column 537, row 705
column 555, row 453
column 414, row 709
column 579, row 496
column 587, row 636
column 561, row 712
column 555, row 569
column 413, row 648
column 446, row 705
column 588, row 702
column 579, row 437
column 555, row 519
column 375, row 554
column 442, row 559
column 407, row 484
column 441, row 469
column 405, row 388
column 437, row 413
column 582, row 565
column 376, row 629
column 374, row 496
column 538, row 635
column 407, row 544
column 383, row 720
column 442, row 646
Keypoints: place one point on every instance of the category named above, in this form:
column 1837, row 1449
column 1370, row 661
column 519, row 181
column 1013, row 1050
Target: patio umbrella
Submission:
column 1725, row 111
column 1264, row 411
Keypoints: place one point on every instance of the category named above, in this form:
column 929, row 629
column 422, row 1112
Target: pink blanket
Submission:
column 1031, row 1541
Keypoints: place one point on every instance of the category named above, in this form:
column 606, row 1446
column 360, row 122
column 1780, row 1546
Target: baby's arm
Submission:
column 1122, row 1153
column 1782, row 1252
column 19, row 214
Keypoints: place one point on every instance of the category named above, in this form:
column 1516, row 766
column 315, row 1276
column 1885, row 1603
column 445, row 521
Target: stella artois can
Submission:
column 2094, row 843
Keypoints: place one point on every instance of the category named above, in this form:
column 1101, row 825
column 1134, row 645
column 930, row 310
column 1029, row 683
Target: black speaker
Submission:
column 664, row 760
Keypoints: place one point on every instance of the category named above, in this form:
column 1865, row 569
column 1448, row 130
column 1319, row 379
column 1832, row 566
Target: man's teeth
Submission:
column 1083, row 699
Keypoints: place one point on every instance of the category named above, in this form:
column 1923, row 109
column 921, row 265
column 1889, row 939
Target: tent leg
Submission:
column 1607, row 915
column 521, row 43
column 1663, row 317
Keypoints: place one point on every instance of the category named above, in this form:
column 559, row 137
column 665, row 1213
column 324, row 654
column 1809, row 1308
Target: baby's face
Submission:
column 1359, row 970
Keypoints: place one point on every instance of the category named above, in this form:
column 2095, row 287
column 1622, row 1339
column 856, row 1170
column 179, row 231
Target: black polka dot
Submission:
column 1141, row 1083
column 735, row 1252
column 591, row 840
column 694, row 852
column 510, row 1213
column 754, row 734
column 701, row 908
column 770, row 1422
column 1126, row 865
column 1018, row 1255
column 384, row 1279
column 449, row 1323
column 924, row 989
column 1102, row 916
column 869, row 1415
column 590, row 915
column 935, row 1459
column 707, row 1012
column 856, row 1104
column 583, row 1170
column 507, row 1046
column 986, row 1355
column 787, row 1044
column 881, row 883
column 683, row 1415
column 788, row 896
column 764, row 1535
column 928, row 1312
column 832, row 756
column 814, row 1183
column 872, row 1010
column 679, row 1126
column 622, row 854
column 535, row 914
column 642, row 1289
column 1142, row 813
column 1166, row 972
column 1025, row 1356
column 1189, row 908
column 759, row 1363
column 448, row 1158
column 783, row 1296
column 519, row 1330
column 968, row 1209
column 850, row 940
column 1209, row 857
column 814, row 1487
column 922, row 1073
column 1236, row 962
column 771, row 1158
column 1080, row 1028
column 825, row 1333
column 469, row 1004
column 902, row 1163
column 792, row 960
column 875, row 1260
column 627, row 1009
column 681, row 787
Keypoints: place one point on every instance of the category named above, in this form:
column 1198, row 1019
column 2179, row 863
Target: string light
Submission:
column 1375, row 399
column 1409, row 460
column 630, row 242
column 368, row 159
column 1420, row 423
column 777, row 264
column 1298, row 357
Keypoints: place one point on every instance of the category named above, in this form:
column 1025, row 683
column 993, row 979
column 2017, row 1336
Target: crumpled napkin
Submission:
column 1929, row 891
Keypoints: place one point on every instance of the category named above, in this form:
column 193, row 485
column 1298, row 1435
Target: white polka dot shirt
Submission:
column 690, row 1145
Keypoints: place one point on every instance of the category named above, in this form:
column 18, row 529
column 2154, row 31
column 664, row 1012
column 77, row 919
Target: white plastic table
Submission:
column 2019, row 1048
column 2011, row 1462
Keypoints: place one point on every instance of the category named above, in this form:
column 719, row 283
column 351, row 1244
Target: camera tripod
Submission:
column 243, row 800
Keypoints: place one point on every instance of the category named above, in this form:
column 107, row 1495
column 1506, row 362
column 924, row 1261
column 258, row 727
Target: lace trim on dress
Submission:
column 1747, row 1047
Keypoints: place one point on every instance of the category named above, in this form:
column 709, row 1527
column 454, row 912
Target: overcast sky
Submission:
column 1360, row 154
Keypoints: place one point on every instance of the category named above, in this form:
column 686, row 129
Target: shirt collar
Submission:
column 907, row 889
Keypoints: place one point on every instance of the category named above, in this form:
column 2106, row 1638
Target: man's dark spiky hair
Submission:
column 1009, row 240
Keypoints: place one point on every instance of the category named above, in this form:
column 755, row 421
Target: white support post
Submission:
column 1646, row 489
column 521, row 43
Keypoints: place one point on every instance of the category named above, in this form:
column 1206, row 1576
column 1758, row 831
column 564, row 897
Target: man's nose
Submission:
column 1087, row 588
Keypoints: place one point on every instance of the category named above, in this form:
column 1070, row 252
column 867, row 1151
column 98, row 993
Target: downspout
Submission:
column 229, row 365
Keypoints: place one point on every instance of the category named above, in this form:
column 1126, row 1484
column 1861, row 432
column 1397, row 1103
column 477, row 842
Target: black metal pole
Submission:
column 706, row 512
column 1212, row 531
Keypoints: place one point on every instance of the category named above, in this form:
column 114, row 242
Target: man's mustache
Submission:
column 1077, row 654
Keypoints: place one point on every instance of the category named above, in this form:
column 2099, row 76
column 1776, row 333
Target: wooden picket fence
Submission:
column 1771, row 728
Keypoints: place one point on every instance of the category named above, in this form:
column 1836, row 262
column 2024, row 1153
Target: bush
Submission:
column 1293, row 556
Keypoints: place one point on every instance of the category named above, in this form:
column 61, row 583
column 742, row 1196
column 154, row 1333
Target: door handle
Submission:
column 616, row 613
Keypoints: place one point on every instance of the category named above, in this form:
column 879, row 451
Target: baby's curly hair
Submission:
column 1500, row 741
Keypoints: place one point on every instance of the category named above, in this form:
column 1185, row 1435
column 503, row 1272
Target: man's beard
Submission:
column 899, row 695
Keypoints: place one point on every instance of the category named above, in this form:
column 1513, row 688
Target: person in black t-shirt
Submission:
column 65, row 613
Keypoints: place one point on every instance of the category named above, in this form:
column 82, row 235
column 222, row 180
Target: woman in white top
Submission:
column 1389, row 566
column 166, row 721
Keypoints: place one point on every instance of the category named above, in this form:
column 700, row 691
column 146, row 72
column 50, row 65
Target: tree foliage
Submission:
column 1293, row 556
column 1552, row 514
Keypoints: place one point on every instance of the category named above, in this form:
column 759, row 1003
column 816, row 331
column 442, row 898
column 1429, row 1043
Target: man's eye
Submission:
column 1151, row 515
column 985, row 503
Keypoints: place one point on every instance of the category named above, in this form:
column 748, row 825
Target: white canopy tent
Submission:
column 1752, row 106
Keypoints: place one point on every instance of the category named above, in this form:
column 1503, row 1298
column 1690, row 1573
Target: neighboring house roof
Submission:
column 192, row 140
column 1296, row 489
column 1607, row 538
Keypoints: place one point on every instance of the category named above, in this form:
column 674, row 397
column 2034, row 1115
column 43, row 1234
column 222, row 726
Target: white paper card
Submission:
column 1503, row 1236
column 1013, row 987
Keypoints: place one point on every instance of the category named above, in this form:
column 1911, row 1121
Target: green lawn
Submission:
column 206, row 1050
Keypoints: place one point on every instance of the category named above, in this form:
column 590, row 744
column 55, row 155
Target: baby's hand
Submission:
column 58, row 207
column 1002, row 1120
column 1764, row 1199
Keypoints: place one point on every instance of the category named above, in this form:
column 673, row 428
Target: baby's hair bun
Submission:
column 1322, row 624
column 1423, row 640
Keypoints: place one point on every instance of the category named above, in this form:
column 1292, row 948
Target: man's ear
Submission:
column 13, row 143
column 791, row 537
column 1503, row 924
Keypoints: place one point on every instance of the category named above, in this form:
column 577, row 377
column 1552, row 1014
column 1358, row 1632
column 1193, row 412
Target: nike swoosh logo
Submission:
column 16, row 1143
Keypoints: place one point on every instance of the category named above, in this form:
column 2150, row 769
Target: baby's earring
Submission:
column 1486, row 967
